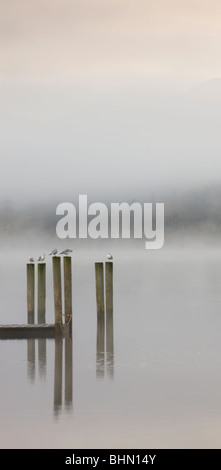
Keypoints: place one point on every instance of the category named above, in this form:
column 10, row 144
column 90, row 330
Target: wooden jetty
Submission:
column 36, row 330
column 27, row 331
column 42, row 329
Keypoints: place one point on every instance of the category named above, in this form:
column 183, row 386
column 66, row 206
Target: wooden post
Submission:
column 58, row 338
column 57, row 288
column 31, row 292
column 41, row 317
column 58, row 374
column 67, row 289
column 109, row 287
column 109, row 318
column 99, row 275
column 41, row 292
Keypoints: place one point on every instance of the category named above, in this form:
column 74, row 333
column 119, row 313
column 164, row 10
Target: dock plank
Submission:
column 28, row 330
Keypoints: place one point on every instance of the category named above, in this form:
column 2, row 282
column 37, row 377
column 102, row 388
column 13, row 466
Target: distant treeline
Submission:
column 198, row 209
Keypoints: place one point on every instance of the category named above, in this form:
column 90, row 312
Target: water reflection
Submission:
column 100, row 357
column 62, row 345
column 105, row 349
column 110, row 345
column 31, row 359
column 68, row 372
column 58, row 374
column 42, row 358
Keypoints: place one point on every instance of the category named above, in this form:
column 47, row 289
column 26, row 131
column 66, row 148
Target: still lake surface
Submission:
column 161, row 387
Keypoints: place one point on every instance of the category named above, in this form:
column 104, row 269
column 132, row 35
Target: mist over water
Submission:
column 119, row 101
column 164, row 384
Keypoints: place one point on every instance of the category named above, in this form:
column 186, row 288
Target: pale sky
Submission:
column 65, row 39
column 83, row 85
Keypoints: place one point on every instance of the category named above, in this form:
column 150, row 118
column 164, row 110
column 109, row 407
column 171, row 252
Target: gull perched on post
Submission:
column 41, row 257
column 66, row 252
column 109, row 256
column 53, row 252
column 31, row 259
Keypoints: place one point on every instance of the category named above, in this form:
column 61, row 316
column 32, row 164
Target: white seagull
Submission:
column 53, row 252
column 109, row 256
column 66, row 252
column 31, row 259
column 41, row 258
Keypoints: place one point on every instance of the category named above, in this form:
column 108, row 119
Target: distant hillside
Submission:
column 185, row 211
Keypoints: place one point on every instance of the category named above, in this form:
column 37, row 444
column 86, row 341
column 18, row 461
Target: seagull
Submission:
column 109, row 256
column 31, row 259
column 41, row 258
column 54, row 252
column 66, row 252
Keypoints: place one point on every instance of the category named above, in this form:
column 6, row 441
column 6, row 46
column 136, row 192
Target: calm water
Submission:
column 160, row 386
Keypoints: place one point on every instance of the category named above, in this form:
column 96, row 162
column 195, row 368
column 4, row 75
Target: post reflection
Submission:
column 100, row 358
column 68, row 372
column 63, row 393
column 42, row 358
column 105, row 346
column 31, row 359
column 105, row 327
column 110, row 346
column 58, row 374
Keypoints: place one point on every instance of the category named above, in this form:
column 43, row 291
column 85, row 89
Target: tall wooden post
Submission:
column 109, row 318
column 109, row 287
column 41, row 317
column 57, row 288
column 31, row 292
column 41, row 292
column 99, row 275
column 99, row 278
column 67, row 289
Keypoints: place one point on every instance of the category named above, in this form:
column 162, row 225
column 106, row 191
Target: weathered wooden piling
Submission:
column 67, row 289
column 109, row 318
column 28, row 331
column 109, row 287
column 41, row 292
column 41, row 317
column 99, row 276
column 31, row 292
column 57, row 288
